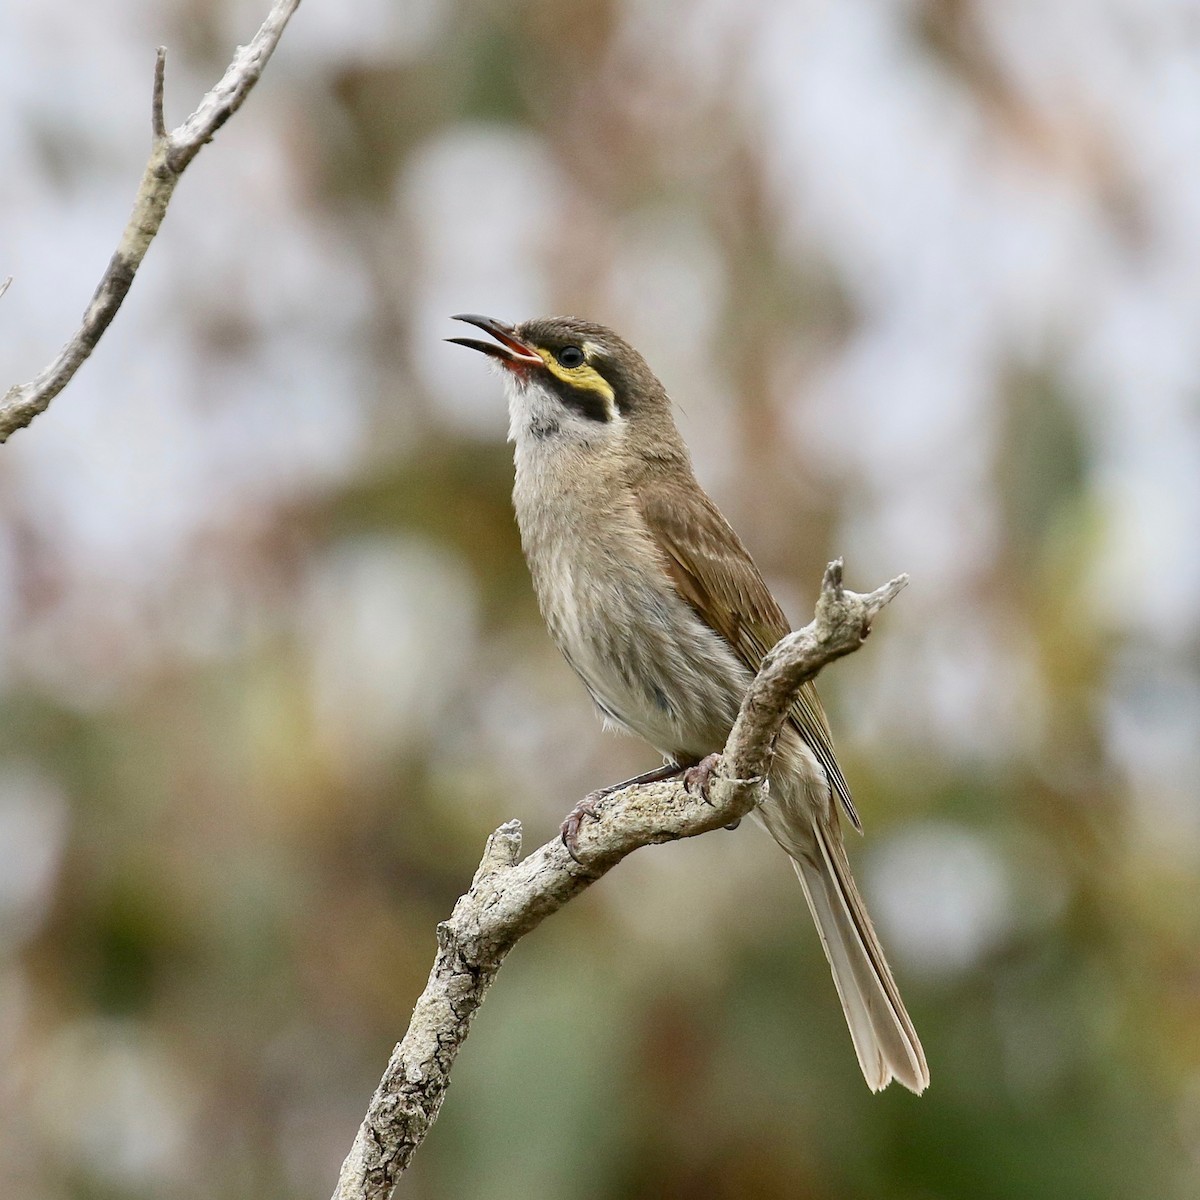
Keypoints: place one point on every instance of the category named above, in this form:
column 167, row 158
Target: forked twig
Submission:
column 169, row 155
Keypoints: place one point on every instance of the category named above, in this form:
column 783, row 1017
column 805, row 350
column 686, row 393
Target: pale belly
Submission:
column 651, row 666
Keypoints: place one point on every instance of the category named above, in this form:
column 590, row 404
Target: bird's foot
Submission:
column 696, row 778
column 699, row 776
column 586, row 808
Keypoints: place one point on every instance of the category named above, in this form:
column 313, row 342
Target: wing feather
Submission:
column 715, row 574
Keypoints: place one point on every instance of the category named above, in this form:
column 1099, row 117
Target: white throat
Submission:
column 537, row 416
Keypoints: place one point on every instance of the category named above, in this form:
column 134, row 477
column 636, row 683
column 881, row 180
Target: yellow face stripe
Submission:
column 584, row 376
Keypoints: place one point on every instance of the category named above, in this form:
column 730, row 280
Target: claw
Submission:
column 569, row 830
column 699, row 776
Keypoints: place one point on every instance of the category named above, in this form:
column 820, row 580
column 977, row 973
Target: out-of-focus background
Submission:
column 924, row 279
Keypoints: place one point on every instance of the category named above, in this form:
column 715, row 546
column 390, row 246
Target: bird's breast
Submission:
column 651, row 665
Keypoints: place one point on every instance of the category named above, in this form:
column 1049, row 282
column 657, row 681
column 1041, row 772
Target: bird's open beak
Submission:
column 511, row 351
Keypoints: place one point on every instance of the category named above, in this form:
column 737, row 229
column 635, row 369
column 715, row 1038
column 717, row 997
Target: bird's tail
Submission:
column 883, row 1035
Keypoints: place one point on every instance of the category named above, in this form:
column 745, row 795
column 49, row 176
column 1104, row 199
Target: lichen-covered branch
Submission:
column 170, row 154
column 509, row 896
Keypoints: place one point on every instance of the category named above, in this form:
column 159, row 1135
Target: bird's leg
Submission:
column 587, row 806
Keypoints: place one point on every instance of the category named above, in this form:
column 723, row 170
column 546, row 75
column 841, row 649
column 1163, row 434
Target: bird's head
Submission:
column 578, row 381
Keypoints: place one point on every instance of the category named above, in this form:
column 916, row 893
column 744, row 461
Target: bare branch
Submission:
column 157, row 124
column 843, row 621
column 508, row 898
column 234, row 86
column 169, row 155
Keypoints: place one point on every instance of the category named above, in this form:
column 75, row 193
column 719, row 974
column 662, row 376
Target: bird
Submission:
column 658, row 607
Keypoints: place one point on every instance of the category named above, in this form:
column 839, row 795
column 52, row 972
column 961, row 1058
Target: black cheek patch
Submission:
column 586, row 402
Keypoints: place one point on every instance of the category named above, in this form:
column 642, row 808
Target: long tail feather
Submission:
column 884, row 1038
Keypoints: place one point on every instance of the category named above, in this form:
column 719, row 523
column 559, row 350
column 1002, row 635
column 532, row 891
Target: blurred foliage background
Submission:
column 924, row 279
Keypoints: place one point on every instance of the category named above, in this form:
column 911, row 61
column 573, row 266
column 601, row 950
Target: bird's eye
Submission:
column 570, row 356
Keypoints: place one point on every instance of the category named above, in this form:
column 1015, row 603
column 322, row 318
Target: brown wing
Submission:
column 715, row 574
